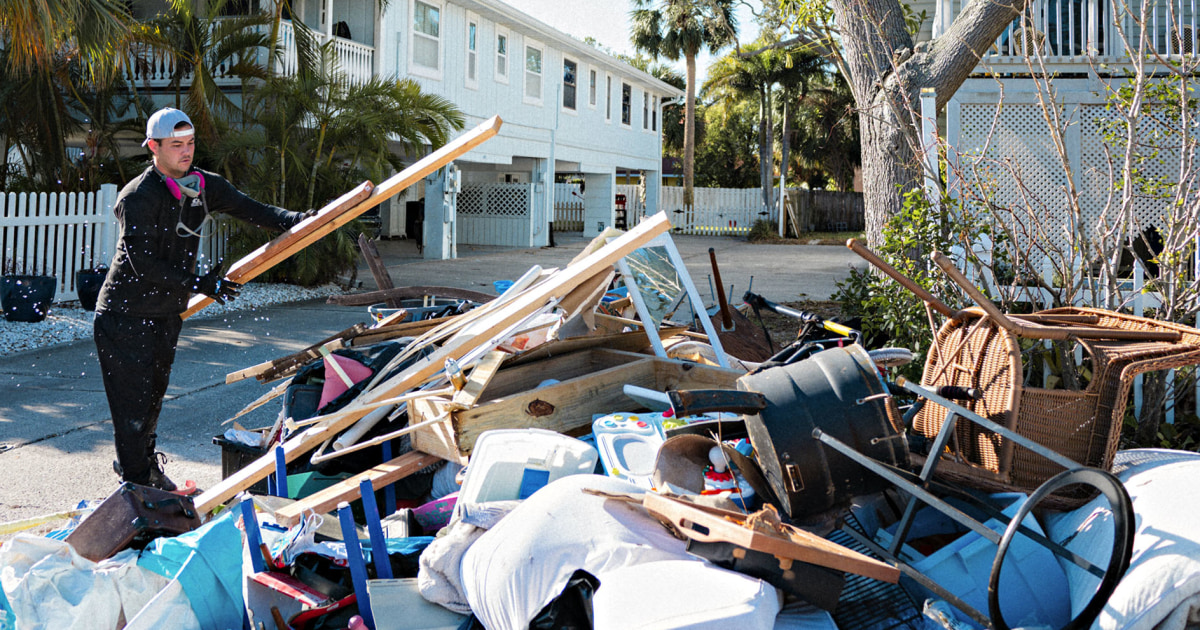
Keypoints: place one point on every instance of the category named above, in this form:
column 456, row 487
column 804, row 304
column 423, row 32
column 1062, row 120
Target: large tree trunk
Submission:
column 689, row 134
column 887, row 72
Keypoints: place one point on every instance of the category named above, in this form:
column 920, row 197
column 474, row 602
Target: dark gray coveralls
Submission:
column 151, row 277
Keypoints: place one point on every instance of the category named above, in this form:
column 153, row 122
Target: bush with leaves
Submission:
column 890, row 314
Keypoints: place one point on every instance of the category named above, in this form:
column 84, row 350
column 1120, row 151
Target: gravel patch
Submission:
column 68, row 322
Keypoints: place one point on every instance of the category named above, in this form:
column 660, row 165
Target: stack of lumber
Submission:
column 463, row 342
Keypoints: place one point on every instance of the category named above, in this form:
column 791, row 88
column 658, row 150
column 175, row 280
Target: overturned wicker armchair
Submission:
column 979, row 348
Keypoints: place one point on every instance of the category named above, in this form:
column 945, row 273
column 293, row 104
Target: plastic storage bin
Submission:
column 1033, row 587
column 509, row 464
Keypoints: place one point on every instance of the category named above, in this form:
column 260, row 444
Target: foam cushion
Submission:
column 683, row 594
column 334, row 385
column 511, row 572
column 1161, row 590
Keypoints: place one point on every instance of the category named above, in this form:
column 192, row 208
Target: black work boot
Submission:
column 158, row 478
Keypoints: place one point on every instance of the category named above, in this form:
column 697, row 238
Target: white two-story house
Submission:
column 567, row 107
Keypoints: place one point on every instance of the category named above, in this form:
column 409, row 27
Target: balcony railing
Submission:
column 356, row 60
column 154, row 67
column 1077, row 32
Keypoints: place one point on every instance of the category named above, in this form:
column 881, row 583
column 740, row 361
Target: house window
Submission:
column 570, row 71
column 591, row 88
column 533, row 74
column 426, row 39
column 607, row 98
column 645, row 111
column 626, row 104
column 502, row 57
column 472, row 53
column 654, row 113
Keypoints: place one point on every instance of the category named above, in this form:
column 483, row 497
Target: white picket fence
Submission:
column 715, row 211
column 59, row 234
column 568, row 207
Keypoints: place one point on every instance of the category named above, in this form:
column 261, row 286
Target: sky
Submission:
column 608, row 22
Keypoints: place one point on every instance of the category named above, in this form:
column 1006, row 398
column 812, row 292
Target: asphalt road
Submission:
column 56, row 434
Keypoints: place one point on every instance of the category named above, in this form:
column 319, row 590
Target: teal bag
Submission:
column 207, row 562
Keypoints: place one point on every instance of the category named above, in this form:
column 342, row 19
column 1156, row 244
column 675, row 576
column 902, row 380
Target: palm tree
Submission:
column 734, row 78
column 47, row 45
column 681, row 28
column 203, row 48
column 34, row 31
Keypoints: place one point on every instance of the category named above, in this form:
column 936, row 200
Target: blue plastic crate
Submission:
column 1033, row 587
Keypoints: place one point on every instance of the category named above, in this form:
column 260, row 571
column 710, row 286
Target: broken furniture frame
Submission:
column 645, row 312
column 1106, row 483
column 979, row 348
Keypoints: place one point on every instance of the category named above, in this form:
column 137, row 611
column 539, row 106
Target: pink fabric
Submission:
column 334, row 385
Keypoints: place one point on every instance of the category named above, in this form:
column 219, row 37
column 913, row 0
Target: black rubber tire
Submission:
column 1124, row 525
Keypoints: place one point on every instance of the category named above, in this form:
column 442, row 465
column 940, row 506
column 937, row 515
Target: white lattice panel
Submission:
column 1157, row 136
column 1020, row 170
column 498, row 200
column 495, row 214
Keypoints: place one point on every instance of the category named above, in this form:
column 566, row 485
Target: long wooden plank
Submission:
column 504, row 316
column 348, row 489
column 334, row 215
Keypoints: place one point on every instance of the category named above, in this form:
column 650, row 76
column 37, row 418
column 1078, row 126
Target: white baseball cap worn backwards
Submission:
column 163, row 122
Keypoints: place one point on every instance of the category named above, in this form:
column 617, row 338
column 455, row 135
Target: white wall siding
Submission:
column 581, row 136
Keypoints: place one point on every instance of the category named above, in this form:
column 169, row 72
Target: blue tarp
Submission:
column 207, row 563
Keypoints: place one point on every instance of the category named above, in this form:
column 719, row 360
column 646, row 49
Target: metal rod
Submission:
column 1057, row 458
column 908, row 486
column 927, row 471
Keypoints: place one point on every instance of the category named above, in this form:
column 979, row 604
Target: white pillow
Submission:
column 689, row 594
column 1161, row 590
column 511, row 572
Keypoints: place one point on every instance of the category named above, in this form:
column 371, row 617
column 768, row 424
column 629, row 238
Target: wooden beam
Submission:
column 403, row 329
column 344, row 209
column 337, row 213
column 379, row 271
column 482, row 329
column 295, row 359
column 381, row 476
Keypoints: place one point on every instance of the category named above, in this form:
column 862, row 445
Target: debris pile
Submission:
column 590, row 449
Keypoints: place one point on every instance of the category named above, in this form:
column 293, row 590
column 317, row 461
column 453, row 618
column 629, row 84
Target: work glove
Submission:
column 301, row 216
column 214, row 285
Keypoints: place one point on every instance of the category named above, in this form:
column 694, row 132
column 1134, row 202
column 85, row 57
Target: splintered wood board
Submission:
column 344, row 209
column 484, row 326
column 592, row 382
column 380, row 476
column 717, row 525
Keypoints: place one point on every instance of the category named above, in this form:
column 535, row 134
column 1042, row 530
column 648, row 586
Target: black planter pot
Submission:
column 87, row 286
column 27, row 298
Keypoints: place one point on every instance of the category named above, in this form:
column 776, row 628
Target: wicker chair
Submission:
column 979, row 348
column 1084, row 425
